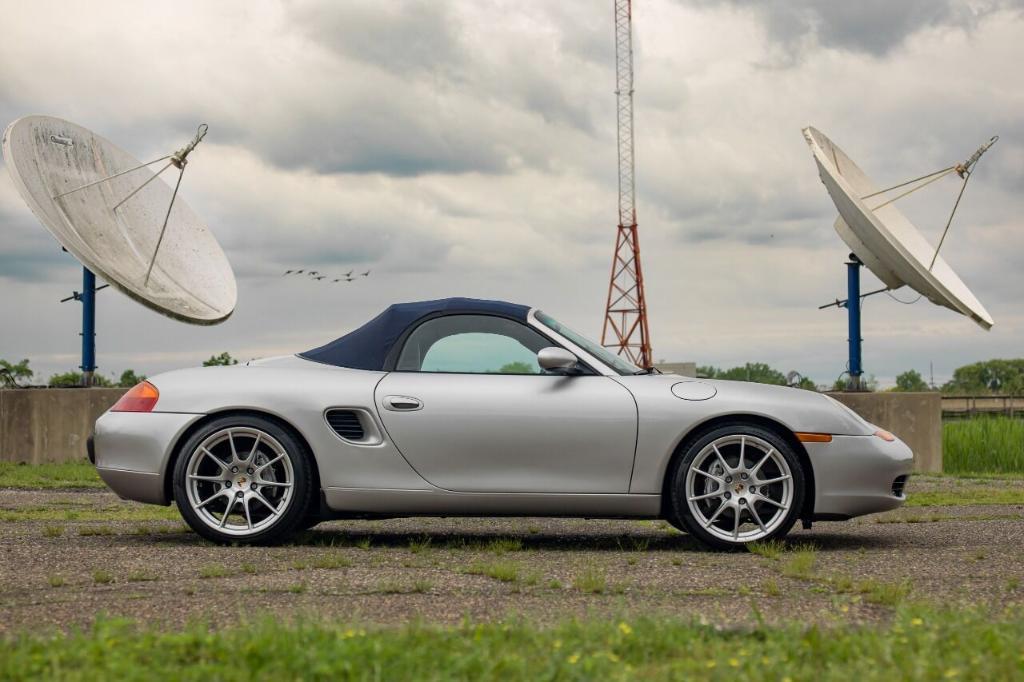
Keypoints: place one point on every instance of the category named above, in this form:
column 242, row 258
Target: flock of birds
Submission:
column 349, row 276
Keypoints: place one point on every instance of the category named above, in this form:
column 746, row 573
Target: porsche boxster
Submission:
column 484, row 408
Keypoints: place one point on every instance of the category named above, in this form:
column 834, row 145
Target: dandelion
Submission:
column 625, row 629
column 916, row 621
column 951, row 673
column 557, row 644
column 711, row 664
column 844, row 608
column 734, row 662
column 574, row 659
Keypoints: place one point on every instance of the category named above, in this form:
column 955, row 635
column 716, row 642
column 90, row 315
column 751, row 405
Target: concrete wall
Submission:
column 686, row 369
column 915, row 417
column 50, row 424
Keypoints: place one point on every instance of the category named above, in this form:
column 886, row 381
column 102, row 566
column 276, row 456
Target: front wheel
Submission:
column 243, row 479
column 737, row 484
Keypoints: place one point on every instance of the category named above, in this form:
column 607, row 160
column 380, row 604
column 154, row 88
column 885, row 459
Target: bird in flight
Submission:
column 366, row 274
column 288, row 272
column 320, row 277
column 349, row 273
column 313, row 273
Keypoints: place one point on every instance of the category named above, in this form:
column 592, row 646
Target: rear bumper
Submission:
column 856, row 475
column 131, row 451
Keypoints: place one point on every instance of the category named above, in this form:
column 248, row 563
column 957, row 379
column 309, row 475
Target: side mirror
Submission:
column 557, row 359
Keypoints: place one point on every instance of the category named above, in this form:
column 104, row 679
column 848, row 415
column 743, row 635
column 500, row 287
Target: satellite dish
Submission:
column 119, row 219
column 883, row 238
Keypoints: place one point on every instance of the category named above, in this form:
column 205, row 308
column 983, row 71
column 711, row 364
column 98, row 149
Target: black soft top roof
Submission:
column 368, row 346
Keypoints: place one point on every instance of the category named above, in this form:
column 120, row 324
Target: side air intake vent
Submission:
column 346, row 424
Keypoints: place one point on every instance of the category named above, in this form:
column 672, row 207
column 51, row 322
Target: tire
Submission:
column 727, row 499
column 252, row 464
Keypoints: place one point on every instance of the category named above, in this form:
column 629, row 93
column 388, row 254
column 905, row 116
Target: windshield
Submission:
column 620, row 365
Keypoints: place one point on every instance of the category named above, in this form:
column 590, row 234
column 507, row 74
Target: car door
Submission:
column 471, row 410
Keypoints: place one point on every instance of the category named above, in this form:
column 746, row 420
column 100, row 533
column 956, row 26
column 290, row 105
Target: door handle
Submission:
column 402, row 403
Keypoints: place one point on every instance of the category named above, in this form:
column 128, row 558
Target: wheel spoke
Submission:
column 211, row 498
column 255, row 447
column 743, row 451
column 230, row 507
column 757, row 518
column 762, row 498
column 725, row 467
column 197, row 477
column 716, row 493
column 736, row 523
column 711, row 476
column 248, row 517
column 274, row 484
column 263, row 467
column 259, row 496
column 714, row 516
column 784, row 477
column 231, row 442
column 757, row 467
column 215, row 458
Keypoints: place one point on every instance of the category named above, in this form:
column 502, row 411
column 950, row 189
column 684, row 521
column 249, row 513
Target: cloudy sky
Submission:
column 468, row 148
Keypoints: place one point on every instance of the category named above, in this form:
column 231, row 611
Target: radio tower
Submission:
column 625, row 320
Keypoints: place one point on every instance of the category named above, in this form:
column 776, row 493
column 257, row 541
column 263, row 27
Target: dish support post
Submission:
column 88, row 299
column 853, row 267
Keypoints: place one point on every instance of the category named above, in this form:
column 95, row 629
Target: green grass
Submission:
column 992, row 444
column 505, row 571
column 800, row 562
column 101, row 577
column 973, row 495
column 918, row 644
column 590, row 580
column 87, row 512
column 79, row 474
column 213, row 571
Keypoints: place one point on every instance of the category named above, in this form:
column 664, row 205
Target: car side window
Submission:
column 472, row 344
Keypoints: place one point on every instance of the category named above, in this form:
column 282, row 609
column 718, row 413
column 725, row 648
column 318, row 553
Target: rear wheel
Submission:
column 243, row 479
column 737, row 484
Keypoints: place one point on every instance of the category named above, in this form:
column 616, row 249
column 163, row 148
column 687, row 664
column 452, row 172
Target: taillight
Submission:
column 139, row 398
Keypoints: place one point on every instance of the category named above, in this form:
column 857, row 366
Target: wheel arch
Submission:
column 776, row 427
column 236, row 412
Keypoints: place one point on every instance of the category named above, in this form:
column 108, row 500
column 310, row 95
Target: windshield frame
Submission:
column 613, row 362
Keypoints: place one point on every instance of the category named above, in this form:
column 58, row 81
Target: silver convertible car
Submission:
column 464, row 407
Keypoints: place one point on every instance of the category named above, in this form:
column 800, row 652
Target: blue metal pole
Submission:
column 853, row 317
column 88, row 326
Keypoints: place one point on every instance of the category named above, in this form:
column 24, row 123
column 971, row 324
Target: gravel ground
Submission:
column 64, row 572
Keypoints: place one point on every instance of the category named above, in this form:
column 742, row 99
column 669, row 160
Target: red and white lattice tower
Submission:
column 625, row 321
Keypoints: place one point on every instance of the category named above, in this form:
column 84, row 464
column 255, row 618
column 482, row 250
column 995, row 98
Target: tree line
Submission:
column 988, row 377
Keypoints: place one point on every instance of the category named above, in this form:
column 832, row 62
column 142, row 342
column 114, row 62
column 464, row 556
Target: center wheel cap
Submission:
column 242, row 481
column 739, row 488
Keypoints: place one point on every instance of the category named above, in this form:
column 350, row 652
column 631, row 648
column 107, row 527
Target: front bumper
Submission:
column 856, row 475
column 131, row 451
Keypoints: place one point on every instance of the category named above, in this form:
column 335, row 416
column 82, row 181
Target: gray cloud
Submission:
column 873, row 27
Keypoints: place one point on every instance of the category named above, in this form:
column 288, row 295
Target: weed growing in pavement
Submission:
column 331, row 561
column 142, row 576
column 364, row 543
column 505, row 571
column 886, row 594
column 554, row 584
column 395, row 587
column 800, row 562
column 418, row 545
column 297, row 588
column 53, row 531
column 56, row 581
column 505, row 545
column 771, row 549
column 95, row 530
column 213, row 571
column 771, row 588
column 101, row 577
column 1012, row 584
column 248, row 568
column 590, row 580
